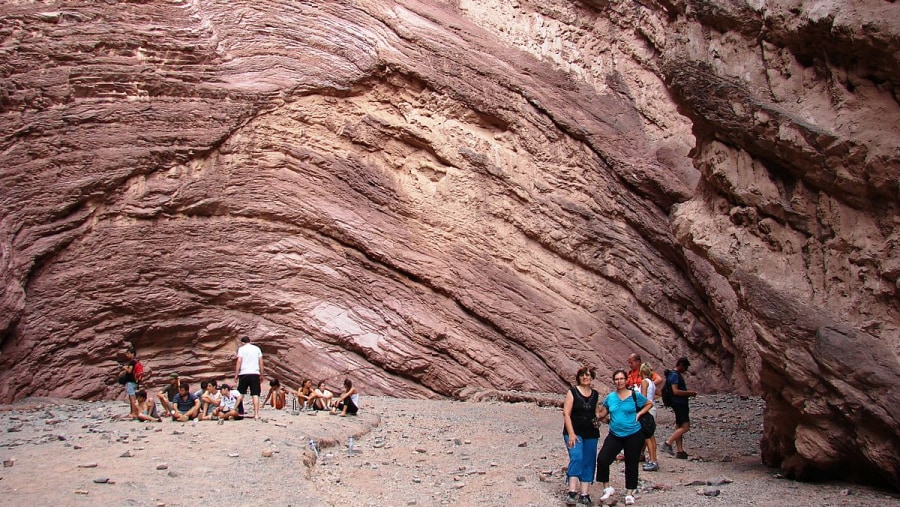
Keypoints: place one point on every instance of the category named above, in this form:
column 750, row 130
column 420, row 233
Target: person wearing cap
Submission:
column 248, row 371
column 167, row 395
column 228, row 403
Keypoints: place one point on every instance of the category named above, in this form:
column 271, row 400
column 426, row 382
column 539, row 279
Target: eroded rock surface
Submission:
column 430, row 197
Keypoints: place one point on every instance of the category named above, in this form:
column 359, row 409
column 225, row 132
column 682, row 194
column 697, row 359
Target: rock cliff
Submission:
column 434, row 197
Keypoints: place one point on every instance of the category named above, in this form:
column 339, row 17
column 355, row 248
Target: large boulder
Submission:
column 433, row 198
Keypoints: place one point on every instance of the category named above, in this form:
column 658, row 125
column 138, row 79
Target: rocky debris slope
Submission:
column 432, row 196
column 406, row 452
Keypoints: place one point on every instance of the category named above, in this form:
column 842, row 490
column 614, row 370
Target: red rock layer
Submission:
column 430, row 198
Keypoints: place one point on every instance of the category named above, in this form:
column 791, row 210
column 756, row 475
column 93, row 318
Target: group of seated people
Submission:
column 321, row 398
column 216, row 401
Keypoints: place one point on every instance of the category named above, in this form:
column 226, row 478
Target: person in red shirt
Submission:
column 634, row 372
column 635, row 378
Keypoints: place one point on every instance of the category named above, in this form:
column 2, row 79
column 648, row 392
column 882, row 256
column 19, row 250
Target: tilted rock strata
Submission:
column 432, row 199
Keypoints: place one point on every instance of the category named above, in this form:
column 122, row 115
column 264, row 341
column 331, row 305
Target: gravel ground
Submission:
column 406, row 453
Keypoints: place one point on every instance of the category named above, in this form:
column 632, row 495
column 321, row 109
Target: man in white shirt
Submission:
column 249, row 372
column 228, row 403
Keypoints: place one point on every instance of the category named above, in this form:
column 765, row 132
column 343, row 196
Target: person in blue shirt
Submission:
column 624, row 407
column 185, row 406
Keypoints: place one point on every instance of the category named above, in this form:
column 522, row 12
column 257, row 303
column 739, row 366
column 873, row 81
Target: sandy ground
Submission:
column 407, row 453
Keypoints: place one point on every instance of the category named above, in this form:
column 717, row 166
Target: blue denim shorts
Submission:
column 130, row 388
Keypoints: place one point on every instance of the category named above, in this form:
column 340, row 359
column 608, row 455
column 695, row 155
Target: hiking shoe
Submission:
column 681, row 455
column 607, row 492
column 650, row 466
column 585, row 500
column 667, row 447
column 629, row 500
column 571, row 498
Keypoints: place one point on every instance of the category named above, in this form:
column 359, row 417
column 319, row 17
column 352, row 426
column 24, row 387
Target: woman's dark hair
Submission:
column 620, row 370
column 347, row 383
column 585, row 369
column 141, row 395
column 274, row 382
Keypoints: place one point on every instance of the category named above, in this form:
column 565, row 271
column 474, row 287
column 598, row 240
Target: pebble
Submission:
column 162, row 466
column 88, row 465
column 101, row 480
column 709, row 491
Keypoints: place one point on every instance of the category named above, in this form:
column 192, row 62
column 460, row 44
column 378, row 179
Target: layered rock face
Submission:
column 433, row 198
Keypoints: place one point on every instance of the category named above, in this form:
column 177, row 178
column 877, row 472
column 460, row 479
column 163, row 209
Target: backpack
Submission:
column 138, row 372
column 668, row 397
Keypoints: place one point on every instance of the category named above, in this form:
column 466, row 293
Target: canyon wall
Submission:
column 433, row 198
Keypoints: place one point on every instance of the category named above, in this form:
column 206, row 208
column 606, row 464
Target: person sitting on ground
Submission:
column 167, row 394
column 276, row 396
column 146, row 408
column 209, row 399
column 348, row 402
column 321, row 397
column 304, row 393
column 228, row 404
column 185, row 406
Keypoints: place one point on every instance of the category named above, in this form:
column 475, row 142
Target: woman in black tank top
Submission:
column 581, row 434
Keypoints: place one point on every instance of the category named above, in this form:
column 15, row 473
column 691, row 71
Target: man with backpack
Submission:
column 675, row 396
column 128, row 379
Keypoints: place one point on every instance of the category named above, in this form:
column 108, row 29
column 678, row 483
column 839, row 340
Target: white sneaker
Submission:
column 629, row 500
column 607, row 492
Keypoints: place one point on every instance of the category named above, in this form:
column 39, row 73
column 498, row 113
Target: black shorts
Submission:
column 681, row 414
column 250, row 380
column 351, row 407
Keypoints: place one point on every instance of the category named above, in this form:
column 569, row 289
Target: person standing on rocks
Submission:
column 130, row 381
column 634, row 372
column 248, row 371
column 648, row 389
column 680, row 406
column 624, row 434
column 581, row 435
